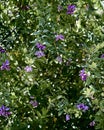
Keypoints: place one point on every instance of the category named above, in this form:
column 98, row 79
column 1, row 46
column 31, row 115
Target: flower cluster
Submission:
column 68, row 62
column 33, row 102
column 83, row 75
column 71, row 9
column 4, row 111
column 59, row 8
column 102, row 56
column 82, row 107
column 39, row 54
column 41, row 48
column 67, row 117
column 5, row 65
column 59, row 59
column 92, row 123
column 28, row 69
column 2, row 50
column 59, row 37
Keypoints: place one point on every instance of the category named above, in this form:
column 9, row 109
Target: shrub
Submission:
column 51, row 67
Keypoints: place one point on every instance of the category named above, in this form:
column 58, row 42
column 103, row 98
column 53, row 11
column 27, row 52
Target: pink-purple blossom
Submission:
column 59, row 59
column 102, row 56
column 59, row 37
column 2, row 50
column 31, row 97
column 59, row 8
column 34, row 103
column 83, row 75
column 25, row 7
column 92, row 123
column 5, row 65
column 71, row 9
column 68, row 61
column 4, row 111
column 28, row 69
column 40, row 46
column 39, row 54
column 82, row 107
column 67, row 117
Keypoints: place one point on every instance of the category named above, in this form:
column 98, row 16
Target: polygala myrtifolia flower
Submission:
column 4, row 111
column 59, row 37
column 102, row 56
column 25, row 7
column 59, row 59
column 71, row 9
column 34, row 103
column 40, row 46
column 59, row 8
column 92, row 123
column 67, row 117
column 83, row 75
column 28, row 69
column 5, row 65
column 82, row 107
column 2, row 50
column 68, row 61
column 32, row 97
column 39, row 54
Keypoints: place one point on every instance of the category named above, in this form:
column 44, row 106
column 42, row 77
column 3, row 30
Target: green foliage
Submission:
column 55, row 85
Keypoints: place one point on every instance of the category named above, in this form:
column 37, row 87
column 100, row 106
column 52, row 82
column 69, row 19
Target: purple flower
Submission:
column 67, row 117
column 59, row 8
column 28, row 69
column 34, row 103
column 2, row 50
column 83, row 75
column 102, row 56
column 82, row 107
column 31, row 97
column 59, row 37
column 92, row 123
column 68, row 61
column 4, row 111
column 40, row 46
column 71, row 9
column 5, row 65
column 39, row 54
column 25, row 7
column 59, row 59
column 85, row 108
